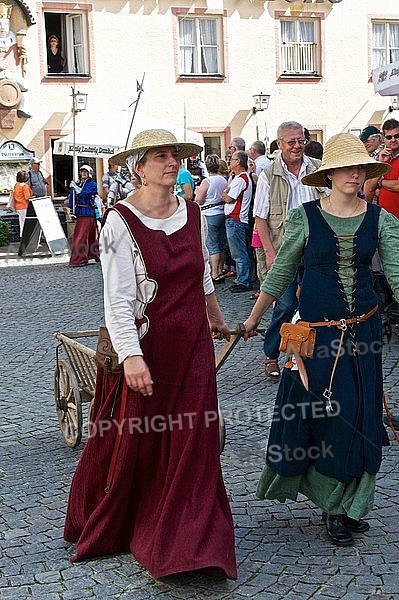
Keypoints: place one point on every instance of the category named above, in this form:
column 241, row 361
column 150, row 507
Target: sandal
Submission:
column 254, row 296
column 272, row 368
column 229, row 274
column 218, row 278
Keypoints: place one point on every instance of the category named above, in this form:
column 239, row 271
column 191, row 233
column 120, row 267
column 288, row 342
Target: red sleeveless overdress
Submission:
column 167, row 503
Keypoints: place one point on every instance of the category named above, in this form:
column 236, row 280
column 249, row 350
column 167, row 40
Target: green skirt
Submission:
column 354, row 499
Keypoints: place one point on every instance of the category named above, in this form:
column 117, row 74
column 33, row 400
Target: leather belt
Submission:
column 343, row 323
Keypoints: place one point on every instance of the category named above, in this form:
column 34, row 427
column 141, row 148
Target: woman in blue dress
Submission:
column 82, row 203
column 327, row 433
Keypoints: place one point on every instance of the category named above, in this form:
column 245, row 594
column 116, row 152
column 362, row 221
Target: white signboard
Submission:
column 95, row 150
column 50, row 223
column 13, row 151
column 386, row 79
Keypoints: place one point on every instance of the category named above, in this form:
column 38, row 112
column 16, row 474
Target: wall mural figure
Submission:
column 12, row 65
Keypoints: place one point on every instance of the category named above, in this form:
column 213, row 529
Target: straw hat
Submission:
column 156, row 138
column 345, row 150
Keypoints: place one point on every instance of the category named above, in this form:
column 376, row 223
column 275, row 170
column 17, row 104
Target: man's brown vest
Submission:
column 279, row 196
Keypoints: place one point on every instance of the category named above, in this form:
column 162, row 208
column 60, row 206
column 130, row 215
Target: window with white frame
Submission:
column 385, row 43
column 71, row 29
column 200, row 46
column 299, row 48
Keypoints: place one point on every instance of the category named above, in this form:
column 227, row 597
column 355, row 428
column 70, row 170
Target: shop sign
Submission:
column 93, row 150
column 386, row 79
column 12, row 151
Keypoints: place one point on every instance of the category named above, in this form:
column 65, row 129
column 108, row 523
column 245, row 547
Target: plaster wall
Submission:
column 130, row 38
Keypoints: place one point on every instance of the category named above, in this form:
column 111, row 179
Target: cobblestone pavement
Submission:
column 282, row 549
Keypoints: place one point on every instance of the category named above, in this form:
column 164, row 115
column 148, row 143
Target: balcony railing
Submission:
column 299, row 58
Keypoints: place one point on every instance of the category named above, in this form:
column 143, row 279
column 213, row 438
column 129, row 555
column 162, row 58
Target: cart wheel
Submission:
column 68, row 403
column 222, row 429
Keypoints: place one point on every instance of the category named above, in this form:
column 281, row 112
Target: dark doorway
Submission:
column 62, row 173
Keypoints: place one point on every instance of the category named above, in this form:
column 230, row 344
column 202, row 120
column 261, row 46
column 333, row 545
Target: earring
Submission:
column 144, row 181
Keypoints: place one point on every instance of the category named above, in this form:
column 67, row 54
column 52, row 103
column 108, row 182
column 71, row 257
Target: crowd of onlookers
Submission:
column 238, row 195
column 246, row 197
column 233, row 243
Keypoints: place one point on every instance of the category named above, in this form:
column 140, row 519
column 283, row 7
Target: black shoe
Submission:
column 338, row 531
column 357, row 526
column 353, row 525
column 237, row 288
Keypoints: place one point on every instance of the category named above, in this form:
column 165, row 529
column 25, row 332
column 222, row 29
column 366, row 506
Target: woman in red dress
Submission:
column 161, row 494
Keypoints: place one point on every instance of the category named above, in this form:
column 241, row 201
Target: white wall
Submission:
column 130, row 38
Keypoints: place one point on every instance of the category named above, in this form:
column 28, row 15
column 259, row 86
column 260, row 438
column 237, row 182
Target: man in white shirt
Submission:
column 238, row 199
column 257, row 152
column 279, row 189
column 237, row 143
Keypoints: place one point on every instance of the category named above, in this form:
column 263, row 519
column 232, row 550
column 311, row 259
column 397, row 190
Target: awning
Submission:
column 386, row 79
column 109, row 136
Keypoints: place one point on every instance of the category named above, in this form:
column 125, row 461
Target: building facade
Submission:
column 200, row 65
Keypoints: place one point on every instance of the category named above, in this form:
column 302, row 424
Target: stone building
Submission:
column 200, row 65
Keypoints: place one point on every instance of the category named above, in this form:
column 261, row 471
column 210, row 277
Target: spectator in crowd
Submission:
column 196, row 167
column 257, row 152
column 327, row 433
column 237, row 143
column 279, row 188
column 313, row 149
column 22, row 194
column 37, row 181
column 372, row 140
column 273, row 150
column 388, row 184
column 165, row 500
column 209, row 197
column 237, row 197
column 229, row 268
column 184, row 183
column 224, row 169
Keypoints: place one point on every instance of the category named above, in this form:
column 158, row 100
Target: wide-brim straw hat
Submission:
column 345, row 150
column 156, row 138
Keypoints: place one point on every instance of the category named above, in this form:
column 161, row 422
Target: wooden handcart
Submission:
column 75, row 380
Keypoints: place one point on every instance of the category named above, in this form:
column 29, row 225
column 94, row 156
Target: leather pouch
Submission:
column 298, row 339
column 106, row 356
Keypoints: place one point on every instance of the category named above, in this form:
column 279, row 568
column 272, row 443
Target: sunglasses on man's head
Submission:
column 390, row 137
